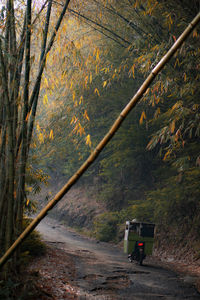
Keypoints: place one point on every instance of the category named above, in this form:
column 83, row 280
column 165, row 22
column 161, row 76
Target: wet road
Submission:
column 103, row 271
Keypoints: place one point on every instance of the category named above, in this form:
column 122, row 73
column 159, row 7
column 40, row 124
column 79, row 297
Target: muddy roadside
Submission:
column 188, row 271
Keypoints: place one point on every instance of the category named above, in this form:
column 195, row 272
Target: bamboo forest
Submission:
column 99, row 124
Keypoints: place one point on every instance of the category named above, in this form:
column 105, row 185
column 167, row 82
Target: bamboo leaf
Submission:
column 90, row 77
column 97, row 55
column 167, row 154
column 41, row 138
column 172, row 126
column 96, row 91
column 88, row 140
column 157, row 113
column 46, row 82
column 86, row 115
column 104, row 83
column 51, row 135
column 45, row 99
column 143, row 116
column 74, row 95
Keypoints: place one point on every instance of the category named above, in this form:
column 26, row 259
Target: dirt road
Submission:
column 102, row 271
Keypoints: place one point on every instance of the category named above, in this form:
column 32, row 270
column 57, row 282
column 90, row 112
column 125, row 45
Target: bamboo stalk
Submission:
column 103, row 142
column 35, row 102
column 36, row 88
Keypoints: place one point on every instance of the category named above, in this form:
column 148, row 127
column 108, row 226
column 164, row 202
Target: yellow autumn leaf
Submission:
column 96, row 91
column 195, row 106
column 74, row 95
column 170, row 20
column 132, row 70
column 51, row 134
column 94, row 52
column 157, row 113
column 72, row 121
column 176, row 105
column 172, row 126
column 29, row 188
column 90, row 77
column 45, row 99
column 167, row 154
column 177, row 63
column 27, row 202
column 86, row 80
column 38, row 127
column 97, row 55
column 86, row 115
column 88, row 140
column 155, row 48
column 78, row 44
column 80, row 130
column 143, row 116
column 46, row 82
column 104, row 83
column 27, row 117
column 136, row 4
column 41, row 138
column 147, row 92
column 47, row 56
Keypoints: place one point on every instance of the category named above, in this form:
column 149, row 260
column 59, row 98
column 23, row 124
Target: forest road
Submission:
column 104, row 272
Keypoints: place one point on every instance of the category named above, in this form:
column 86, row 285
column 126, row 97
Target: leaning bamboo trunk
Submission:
column 104, row 141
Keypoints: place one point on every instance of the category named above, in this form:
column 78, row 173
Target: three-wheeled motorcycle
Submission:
column 138, row 240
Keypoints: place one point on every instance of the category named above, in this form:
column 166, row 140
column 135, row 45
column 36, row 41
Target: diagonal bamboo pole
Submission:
column 103, row 142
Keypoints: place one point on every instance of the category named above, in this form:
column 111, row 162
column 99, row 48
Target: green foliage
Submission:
column 178, row 199
column 33, row 245
column 35, row 178
column 150, row 169
column 106, row 226
column 173, row 203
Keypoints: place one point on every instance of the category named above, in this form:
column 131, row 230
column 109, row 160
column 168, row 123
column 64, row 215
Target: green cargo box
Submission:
column 129, row 244
column 139, row 232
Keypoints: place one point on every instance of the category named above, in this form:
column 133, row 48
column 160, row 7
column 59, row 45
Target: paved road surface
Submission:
column 103, row 271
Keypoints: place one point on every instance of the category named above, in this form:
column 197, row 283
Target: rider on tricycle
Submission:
column 138, row 240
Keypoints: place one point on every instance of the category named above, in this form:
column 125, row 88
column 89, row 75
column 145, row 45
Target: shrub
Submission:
column 106, row 226
column 33, row 245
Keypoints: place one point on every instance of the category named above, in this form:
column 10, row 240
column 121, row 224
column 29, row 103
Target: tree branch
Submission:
column 99, row 25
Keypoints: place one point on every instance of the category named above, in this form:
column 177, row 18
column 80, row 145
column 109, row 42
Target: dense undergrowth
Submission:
column 21, row 285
